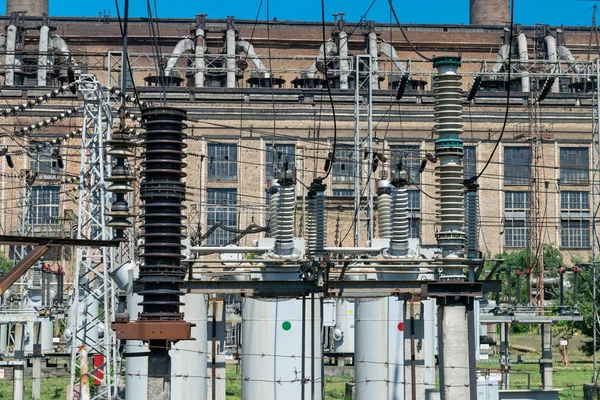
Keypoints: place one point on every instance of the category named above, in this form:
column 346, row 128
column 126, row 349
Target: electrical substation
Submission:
column 195, row 206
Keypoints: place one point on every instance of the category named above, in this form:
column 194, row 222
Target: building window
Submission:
column 222, row 162
column 574, row 165
column 470, row 162
column 516, row 223
column 281, row 153
column 43, row 162
column 343, row 192
column 517, row 165
column 221, row 209
column 575, row 219
column 344, row 167
column 411, row 160
column 44, row 205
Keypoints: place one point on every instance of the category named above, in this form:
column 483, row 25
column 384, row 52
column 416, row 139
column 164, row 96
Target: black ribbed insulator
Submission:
column 163, row 193
column 121, row 148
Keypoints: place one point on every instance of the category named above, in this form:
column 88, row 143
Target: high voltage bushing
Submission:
column 384, row 208
column 163, row 193
column 284, row 231
column 273, row 201
column 472, row 220
column 399, row 230
column 449, row 170
column 316, row 219
column 121, row 149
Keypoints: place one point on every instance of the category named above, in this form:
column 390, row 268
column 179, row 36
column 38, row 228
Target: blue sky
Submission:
column 527, row 12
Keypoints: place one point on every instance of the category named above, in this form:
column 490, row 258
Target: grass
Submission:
column 334, row 387
column 570, row 378
column 52, row 388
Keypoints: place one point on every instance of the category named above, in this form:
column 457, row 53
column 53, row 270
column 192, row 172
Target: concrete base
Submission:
column 159, row 376
column 338, row 372
column 220, row 377
column 349, row 393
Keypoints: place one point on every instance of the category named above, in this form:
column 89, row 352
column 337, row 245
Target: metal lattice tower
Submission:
column 363, row 112
column 595, row 210
column 25, row 227
column 92, row 281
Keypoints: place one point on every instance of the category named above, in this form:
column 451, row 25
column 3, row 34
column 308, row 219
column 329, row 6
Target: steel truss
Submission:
column 92, row 281
column 363, row 112
column 595, row 209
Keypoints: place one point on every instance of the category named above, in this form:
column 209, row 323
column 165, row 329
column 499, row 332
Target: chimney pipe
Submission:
column 490, row 12
column 34, row 8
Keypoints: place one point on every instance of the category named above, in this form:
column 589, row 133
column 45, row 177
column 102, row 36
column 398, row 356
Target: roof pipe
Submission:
column 374, row 52
column 59, row 45
column 246, row 47
column 390, row 52
column 564, row 53
column 502, row 58
column 183, row 46
column 42, row 70
column 200, row 62
column 11, row 43
column 523, row 56
column 552, row 57
column 230, row 49
column 344, row 65
column 327, row 49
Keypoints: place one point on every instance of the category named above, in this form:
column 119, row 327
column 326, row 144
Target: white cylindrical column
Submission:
column 3, row 338
column 200, row 62
column 553, row 57
column 230, row 43
column 190, row 383
column 136, row 358
column 523, row 56
column 373, row 51
column 344, row 65
column 379, row 349
column 19, row 381
column 11, row 43
column 272, row 350
column 42, row 71
column 454, row 348
column 343, row 332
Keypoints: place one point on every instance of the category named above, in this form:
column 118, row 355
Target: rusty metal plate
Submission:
column 153, row 330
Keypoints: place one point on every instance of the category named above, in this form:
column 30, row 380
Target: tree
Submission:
column 5, row 264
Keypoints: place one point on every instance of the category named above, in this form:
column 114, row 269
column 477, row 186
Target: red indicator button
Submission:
column 401, row 326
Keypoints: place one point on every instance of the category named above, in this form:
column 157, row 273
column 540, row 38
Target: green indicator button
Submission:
column 286, row 326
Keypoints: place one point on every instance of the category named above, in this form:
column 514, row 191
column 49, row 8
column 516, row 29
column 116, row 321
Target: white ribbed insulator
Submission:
column 319, row 228
column 450, row 189
column 472, row 223
column 273, row 201
column 311, row 224
column 284, row 235
column 449, row 171
column 384, row 215
column 400, row 222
